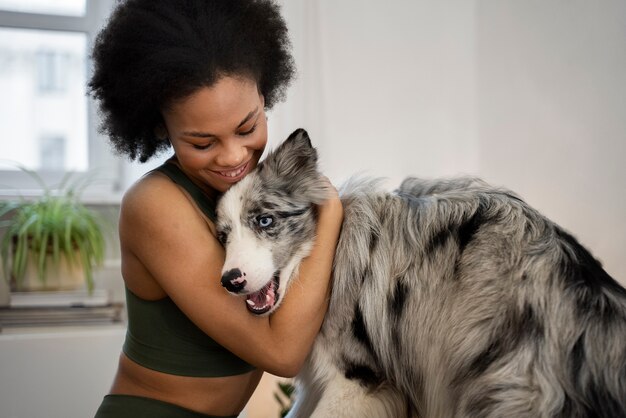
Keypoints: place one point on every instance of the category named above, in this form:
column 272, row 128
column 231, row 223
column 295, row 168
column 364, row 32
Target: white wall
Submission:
column 57, row 372
column 552, row 113
column 386, row 87
column 530, row 95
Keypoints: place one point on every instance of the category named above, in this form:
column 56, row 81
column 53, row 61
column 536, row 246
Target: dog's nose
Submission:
column 233, row 280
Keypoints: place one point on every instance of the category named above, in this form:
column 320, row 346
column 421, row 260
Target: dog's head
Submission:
column 266, row 223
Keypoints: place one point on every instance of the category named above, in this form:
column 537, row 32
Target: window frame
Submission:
column 108, row 186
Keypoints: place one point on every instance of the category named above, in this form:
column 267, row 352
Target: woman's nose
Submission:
column 232, row 154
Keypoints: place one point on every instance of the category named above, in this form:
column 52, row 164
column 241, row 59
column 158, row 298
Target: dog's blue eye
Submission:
column 265, row 221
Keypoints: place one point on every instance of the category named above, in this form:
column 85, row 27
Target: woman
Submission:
column 197, row 75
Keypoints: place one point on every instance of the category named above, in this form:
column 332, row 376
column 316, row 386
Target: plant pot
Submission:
column 55, row 224
column 61, row 276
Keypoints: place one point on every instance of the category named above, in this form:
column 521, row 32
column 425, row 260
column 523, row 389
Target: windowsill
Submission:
column 99, row 199
column 50, row 331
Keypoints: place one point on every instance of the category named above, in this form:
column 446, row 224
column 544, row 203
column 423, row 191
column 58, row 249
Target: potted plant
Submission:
column 285, row 397
column 52, row 242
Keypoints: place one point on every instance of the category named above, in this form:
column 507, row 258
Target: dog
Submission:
column 451, row 298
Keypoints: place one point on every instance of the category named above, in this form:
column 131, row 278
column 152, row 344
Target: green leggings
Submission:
column 127, row 406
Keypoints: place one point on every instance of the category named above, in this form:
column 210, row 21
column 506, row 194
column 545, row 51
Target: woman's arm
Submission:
column 161, row 229
column 309, row 294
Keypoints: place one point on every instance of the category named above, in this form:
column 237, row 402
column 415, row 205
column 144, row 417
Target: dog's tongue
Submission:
column 263, row 300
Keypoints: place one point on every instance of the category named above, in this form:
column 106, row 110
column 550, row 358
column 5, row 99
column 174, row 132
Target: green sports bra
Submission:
column 159, row 335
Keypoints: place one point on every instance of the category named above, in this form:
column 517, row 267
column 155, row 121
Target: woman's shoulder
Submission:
column 147, row 188
column 154, row 198
column 156, row 221
column 154, row 188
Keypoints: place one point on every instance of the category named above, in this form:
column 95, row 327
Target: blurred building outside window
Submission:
column 52, row 7
column 47, row 122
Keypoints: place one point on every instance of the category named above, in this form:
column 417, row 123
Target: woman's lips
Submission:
column 233, row 175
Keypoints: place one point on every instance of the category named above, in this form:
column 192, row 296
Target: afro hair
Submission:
column 154, row 52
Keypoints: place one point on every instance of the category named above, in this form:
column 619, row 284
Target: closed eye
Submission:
column 210, row 144
column 202, row 147
column 249, row 131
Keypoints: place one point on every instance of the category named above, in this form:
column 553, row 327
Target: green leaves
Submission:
column 285, row 398
column 53, row 227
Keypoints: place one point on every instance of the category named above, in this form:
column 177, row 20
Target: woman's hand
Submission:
column 305, row 304
column 331, row 210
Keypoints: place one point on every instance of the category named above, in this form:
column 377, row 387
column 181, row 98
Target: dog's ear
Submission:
column 294, row 157
column 293, row 168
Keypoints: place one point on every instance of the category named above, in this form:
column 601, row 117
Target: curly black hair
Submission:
column 154, row 52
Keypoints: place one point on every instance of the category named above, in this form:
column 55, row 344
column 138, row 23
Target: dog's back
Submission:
column 555, row 328
column 473, row 304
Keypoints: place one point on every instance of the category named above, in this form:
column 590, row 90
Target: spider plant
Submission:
column 285, row 398
column 50, row 228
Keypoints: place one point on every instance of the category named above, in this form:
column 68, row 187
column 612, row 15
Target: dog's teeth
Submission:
column 249, row 302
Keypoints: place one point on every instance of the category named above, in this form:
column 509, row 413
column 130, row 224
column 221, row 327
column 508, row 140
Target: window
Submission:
column 53, row 7
column 47, row 122
column 44, row 80
column 52, row 153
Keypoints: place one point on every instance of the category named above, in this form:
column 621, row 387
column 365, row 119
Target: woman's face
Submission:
column 218, row 133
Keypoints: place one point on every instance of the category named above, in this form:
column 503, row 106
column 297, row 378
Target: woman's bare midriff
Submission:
column 221, row 396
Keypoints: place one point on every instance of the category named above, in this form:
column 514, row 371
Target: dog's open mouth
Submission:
column 262, row 301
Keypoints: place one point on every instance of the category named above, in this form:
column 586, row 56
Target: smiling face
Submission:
column 218, row 133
